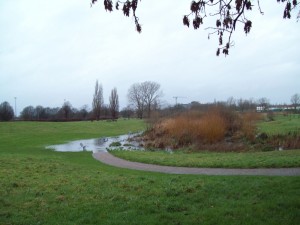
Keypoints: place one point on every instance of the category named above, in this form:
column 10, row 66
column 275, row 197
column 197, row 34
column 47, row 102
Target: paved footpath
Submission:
column 109, row 159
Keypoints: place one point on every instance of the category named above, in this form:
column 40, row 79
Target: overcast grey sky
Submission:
column 51, row 51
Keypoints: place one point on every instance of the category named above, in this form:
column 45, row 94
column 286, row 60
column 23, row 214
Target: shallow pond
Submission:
column 98, row 144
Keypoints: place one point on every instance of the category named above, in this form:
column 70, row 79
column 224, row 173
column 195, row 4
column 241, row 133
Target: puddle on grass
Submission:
column 99, row 144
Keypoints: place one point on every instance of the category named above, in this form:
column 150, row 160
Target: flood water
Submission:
column 97, row 144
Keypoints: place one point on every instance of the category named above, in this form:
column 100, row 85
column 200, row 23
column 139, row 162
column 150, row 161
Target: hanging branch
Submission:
column 228, row 13
column 127, row 7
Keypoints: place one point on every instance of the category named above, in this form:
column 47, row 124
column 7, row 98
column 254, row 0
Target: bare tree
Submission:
column 295, row 100
column 144, row 96
column 40, row 113
column 98, row 101
column 231, row 102
column 114, row 103
column 127, row 112
column 66, row 110
column 227, row 14
column 136, row 99
column 151, row 92
column 245, row 105
column 264, row 103
column 83, row 112
column 28, row 113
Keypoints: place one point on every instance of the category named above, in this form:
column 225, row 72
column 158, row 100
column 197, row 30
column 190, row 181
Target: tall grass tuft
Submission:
column 192, row 127
column 211, row 128
column 215, row 128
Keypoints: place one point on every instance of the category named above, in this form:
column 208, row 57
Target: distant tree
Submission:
column 51, row 113
column 264, row 103
column 226, row 14
column 66, row 110
column 83, row 112
column 28, row 113
column 114, row 103
column 6, row 112
column 127, row 112
column 151, row 93
column 40, row 113
column 231, row 102
column 106, row 112
column 98, row 100
column 144, row 97
column 246, row 105
column 136, row 99
column 295, row 100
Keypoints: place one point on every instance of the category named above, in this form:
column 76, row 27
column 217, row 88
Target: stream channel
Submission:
column 99, row 144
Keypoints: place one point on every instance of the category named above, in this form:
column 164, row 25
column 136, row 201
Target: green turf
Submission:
column 275, row 159
column 281, row 125
column 39, row 186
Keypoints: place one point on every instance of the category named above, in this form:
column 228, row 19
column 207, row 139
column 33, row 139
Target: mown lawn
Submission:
column 39, row 186
column 281, row 125
column 272, row 159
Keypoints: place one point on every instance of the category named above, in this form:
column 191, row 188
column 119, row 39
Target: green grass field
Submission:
column 39, row 186
column 272, row 159
column 281, row 125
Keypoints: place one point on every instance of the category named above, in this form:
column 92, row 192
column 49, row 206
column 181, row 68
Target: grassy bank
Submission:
column 39, row 186
column 255, row 159
column 273, row 159
column 281, row 125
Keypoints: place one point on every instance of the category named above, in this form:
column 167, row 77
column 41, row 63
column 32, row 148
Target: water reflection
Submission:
column 97, row 144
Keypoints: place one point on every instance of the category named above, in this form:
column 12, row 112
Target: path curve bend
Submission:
column 107, row 158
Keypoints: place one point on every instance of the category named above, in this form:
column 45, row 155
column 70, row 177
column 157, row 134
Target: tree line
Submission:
column 143, row 100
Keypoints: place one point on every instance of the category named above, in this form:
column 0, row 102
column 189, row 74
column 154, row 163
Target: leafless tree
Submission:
column 114, row 103
column 136, row 99
column 245, row 105
column 127, row 112
column 82, row 113
column 143, row 96
column 98, row 101
column 151, row 92
column 28, row 113
column 66, row 110
column 295, row 100
column 231, row 102
column 40, row 113
column 264, row 103
column 227, row 15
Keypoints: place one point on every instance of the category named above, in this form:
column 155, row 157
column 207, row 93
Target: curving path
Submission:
column 109, row 159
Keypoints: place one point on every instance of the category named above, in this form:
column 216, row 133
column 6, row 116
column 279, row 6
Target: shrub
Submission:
column 216, row 128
